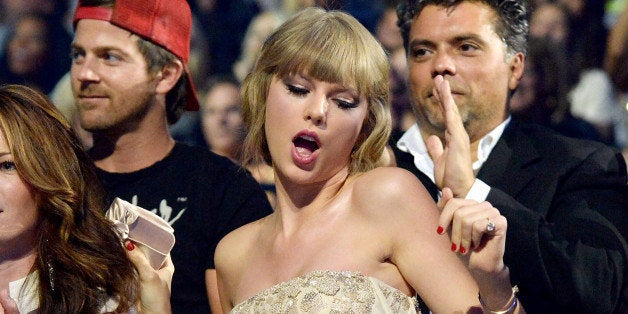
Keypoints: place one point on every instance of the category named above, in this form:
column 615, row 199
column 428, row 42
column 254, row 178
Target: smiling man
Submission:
column 130, row 80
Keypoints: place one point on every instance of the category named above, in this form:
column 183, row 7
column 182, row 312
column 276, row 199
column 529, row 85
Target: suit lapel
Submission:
column 506, row 166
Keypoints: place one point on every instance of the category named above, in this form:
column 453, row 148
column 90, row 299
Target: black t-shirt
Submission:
column 203, row 196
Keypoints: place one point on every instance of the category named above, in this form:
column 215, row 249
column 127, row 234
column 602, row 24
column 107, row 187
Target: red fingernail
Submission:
column 130, row 246
column 463, row 250
column 453, row 247
column 440, row 230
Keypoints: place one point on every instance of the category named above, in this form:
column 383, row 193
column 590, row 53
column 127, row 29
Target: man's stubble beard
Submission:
column 113, row 124
column 432, row 120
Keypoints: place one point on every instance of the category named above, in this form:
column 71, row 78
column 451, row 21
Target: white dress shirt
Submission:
column 412, row 142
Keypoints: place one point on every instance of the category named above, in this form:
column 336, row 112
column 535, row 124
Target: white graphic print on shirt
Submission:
column 165, row 211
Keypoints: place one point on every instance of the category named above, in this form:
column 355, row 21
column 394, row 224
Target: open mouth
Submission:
column 305, row 145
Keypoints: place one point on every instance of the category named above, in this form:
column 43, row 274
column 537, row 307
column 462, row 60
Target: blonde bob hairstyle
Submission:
column 329, row 46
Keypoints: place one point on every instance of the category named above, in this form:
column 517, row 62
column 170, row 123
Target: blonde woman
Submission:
column 346, row 235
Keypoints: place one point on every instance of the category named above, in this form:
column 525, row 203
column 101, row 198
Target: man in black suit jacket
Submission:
column 565, row 199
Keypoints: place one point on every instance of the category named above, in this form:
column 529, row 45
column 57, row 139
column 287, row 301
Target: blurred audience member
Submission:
column 224, row 23
column 260, row 27
column 224, row 131
column 612, row 10
column 541, row 96
column 388, row 35
column 221, row 119
column 12, row 10
column 592, row 98
column 616, row 64
column 30, row 57
column 550, row 20
column 577, row 26
column 367, row 12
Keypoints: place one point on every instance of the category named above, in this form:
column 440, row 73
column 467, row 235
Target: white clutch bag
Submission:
column 141, row 226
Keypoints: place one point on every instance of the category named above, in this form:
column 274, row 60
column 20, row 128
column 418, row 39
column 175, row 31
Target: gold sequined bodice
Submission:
column 329, row 292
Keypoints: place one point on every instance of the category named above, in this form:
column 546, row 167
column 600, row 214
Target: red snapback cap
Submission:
column 167, row 23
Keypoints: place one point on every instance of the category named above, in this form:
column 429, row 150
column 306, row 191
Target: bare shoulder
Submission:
column 390, row 190
column 231, row 256
column 232, row 249
column 388, row 182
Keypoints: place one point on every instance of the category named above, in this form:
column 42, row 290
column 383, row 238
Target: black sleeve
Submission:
column 572, row 256
column 244, row 201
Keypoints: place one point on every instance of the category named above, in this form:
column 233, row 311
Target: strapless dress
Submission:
column 326, row 291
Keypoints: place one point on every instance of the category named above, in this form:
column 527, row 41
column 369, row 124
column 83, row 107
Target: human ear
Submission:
column 517, row 64
column 168, row 76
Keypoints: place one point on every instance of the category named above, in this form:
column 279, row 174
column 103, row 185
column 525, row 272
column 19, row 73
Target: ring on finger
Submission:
column 490, row 226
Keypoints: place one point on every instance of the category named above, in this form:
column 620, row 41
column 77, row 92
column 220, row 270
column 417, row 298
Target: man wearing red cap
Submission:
column 130, row 80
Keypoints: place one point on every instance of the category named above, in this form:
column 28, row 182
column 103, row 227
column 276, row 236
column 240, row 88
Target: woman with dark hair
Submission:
column 32, row 55
column 542, row 94
column 58, row 252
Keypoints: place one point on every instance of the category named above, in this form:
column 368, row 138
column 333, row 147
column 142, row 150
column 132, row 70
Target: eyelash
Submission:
column 346, row 104
column 75, row 55
column 468, row 47
column 419, row 53
column 7, row 165
column 296, row 90
column 300, row 92
column 110, row 57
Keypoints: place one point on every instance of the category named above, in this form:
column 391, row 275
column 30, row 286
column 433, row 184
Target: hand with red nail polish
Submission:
column 467, row 223
column 154, row 284
column 7, row 304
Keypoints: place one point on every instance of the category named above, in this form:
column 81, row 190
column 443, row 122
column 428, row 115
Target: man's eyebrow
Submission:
column 101, row 49
column 465, row 37
column 421, row 42
column 456, row 39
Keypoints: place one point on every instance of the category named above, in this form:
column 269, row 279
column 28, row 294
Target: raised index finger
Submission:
column 453, row 120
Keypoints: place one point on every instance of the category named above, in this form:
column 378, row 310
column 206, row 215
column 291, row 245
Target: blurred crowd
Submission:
column 575, row 81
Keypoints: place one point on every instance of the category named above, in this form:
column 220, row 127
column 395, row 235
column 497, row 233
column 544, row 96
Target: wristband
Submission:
column 512, row 302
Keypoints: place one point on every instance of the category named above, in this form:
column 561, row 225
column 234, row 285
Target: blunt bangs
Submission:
column 313, row 48
column 329, row 46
